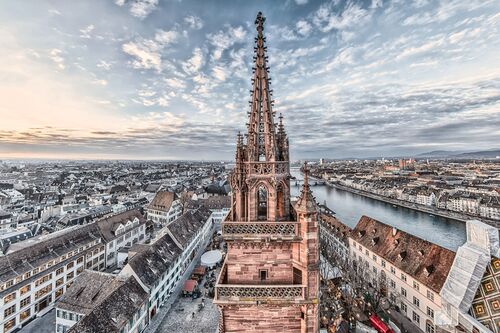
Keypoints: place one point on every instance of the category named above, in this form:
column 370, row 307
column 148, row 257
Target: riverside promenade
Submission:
column 425, row 209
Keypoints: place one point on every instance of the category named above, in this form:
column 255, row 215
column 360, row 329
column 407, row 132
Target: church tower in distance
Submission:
column 269, row 281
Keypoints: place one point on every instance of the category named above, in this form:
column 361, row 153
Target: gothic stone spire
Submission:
column 261, row 129
column 306, row 202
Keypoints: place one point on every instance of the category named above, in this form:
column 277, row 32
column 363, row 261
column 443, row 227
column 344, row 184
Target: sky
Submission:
column 170, row 79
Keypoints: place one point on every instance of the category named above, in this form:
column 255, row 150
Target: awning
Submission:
column 189, row 285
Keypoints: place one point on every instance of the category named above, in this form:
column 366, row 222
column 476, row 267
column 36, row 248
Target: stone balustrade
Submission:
column 260, row 230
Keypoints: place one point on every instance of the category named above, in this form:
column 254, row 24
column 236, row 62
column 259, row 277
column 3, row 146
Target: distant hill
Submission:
column 483, row 154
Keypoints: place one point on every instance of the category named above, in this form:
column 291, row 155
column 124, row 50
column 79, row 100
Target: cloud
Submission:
column 85, row 32
column 147, row 52
column 142, row 8
column 222, row 40
column 104, row 65
column 53, row 11
column 219, row 73
column 303, row 28
column 326, row 19
column 194, row 64
column 194, row 22
column 301, row 2
column 55, row 55
column 175, row 83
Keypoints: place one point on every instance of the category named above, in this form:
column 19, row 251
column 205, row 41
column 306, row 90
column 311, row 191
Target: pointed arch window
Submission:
column 262, row 197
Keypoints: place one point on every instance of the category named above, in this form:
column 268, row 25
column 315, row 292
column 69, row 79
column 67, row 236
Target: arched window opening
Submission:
column 280, row 196
column 262, row 203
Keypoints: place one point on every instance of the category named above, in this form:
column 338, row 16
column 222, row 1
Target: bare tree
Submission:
column 355, row 289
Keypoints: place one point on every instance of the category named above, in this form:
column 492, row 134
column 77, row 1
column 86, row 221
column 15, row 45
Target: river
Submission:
column 349, row 207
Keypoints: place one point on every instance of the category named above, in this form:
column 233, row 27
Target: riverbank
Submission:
column 425, row 209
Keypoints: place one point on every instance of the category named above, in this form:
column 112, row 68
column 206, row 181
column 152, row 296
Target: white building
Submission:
column 121, row 231
column 164, row 208
column 36, row 272
column 413, row 269
column 159, row 266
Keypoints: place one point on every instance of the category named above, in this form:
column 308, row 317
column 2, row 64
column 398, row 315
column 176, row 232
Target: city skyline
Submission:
column 169, row 79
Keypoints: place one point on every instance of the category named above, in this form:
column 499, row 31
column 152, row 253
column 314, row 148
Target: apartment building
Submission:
column 414, row 270
column 164, row 208
column 335, row 235
column 159, row 266
column 123, row 310
column 120, row 232
column 36, row 272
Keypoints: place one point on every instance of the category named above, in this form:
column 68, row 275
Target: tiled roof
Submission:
column 88, row 290
column 113, row 313
column 185, row 227
column 340, row 230
column 153, row 260
column 426, row 262
column 163, row 201
column 44, row 248
column 108, row 226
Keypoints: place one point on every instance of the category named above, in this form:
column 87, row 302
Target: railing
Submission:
column 252, row 230
column 261, row 168
column 230, row 292
column 252, row 293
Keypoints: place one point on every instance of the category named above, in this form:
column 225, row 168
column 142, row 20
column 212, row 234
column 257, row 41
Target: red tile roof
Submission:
column 426, row 262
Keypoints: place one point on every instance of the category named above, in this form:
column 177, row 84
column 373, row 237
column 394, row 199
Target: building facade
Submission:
column 164, row 208
column 413, row 271
column 269, row 281
column 39, row 271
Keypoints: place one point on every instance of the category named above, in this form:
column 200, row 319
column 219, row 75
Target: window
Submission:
column 9, row 283
column 429, row 328
column 25, row 314
column 393, row 270
column 70, row 265
column 403, row 291
column 70, row 275
column 43, row 291
column 416, row 285
column 416, row 301
column 430, row 295
column 367, row 253
column 392, row 284
column 79, row 260
column 359, row 247
column 10, row 310
column 263, row 274
column 374, row 269
column 9, row 298
column 430, row 312
column 403, row 277
column 42, row 280
column 374, row 258
column 416, row 317
column 383, row 263
column 59, row 281
column 404, row 308
column 59, row 271
column 9, row 324
column 25, row 301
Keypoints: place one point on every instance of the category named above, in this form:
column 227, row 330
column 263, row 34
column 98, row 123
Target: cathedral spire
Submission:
column 261, row 129
column 306, row 202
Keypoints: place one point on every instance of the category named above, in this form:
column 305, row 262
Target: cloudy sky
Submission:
column 170, row 79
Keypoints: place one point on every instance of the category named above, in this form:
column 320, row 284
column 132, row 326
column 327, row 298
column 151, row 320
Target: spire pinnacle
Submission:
column 306, row 202
column 262, row 141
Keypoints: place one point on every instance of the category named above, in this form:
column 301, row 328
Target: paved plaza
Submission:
column 184, row 316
